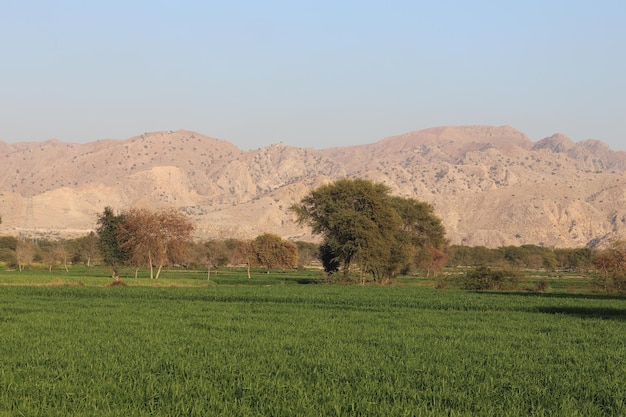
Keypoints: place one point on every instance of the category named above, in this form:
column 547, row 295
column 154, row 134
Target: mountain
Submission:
column 492, row 186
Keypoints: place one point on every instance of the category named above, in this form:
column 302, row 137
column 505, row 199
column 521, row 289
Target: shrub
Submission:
column 8, row 257
column 484, row 278
column 542, row 285
column 611, row 282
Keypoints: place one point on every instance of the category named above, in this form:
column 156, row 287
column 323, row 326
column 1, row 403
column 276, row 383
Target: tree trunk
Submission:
column 158, row 271
column 248, row 267
column 346, row 270
column 151, row 268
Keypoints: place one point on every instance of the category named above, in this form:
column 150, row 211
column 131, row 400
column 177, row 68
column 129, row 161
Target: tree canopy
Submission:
column 271, row 251
column 143, row 237
column 155, row 238
column 363, row 226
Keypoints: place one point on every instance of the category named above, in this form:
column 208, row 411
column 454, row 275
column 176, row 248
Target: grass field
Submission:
column 274, row 347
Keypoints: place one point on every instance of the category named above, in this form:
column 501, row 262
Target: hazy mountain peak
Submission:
column 558, row 143
column 490, row 184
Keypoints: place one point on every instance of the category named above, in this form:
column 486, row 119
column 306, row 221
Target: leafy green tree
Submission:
column 8, row 251
column 8, row 242
column 108, row 229
column 358, row 224
column 574, row 259
column 425, row 233
column 364, row 226
column 327, row 255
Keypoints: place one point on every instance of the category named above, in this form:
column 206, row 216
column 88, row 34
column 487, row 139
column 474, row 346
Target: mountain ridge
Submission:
column 491, row 185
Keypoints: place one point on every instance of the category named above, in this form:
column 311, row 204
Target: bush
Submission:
column 8, row 257
column 542, row 285
column 484, row 278
column 611, row 282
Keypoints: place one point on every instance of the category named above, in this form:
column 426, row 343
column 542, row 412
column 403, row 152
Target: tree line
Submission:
column 19, row 252
column 532, row 257
column 365, row 232
column 140, row 237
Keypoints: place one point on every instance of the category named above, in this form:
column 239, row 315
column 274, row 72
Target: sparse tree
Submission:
column 50, row 257
column 213, row 255
column 155, row 238
column 62, row 254
column 85, row 248
column 611, row 265
column 24, row 252
column 242, row 253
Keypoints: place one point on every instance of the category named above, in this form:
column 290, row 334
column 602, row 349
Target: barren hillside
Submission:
column 492, row 186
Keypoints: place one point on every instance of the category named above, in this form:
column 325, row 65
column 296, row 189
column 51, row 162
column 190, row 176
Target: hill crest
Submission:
column 492, row 186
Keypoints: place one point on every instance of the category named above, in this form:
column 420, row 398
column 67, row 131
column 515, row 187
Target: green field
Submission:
column 273, row 346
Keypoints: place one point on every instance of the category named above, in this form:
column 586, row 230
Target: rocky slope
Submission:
column 491, row 185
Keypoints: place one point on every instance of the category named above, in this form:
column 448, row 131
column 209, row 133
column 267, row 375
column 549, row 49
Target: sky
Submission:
column 310, row 73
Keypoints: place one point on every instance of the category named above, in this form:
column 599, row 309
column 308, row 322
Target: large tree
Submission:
column 155, row 238
column 364, row 226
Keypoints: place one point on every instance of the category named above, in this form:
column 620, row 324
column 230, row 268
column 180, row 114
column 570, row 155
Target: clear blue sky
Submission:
column 310, row 73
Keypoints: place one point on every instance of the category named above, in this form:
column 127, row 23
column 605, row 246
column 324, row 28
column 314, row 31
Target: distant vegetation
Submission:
column 367, row 235
column 465, row 267
column 229, row 260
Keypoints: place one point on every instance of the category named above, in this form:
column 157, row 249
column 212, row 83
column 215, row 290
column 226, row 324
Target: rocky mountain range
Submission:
column 492, row 186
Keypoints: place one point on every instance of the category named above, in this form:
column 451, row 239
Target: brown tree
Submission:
column 155, row 238
column 242, row 253
column 611, row 265
column 211, row 254
column 271, row 251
